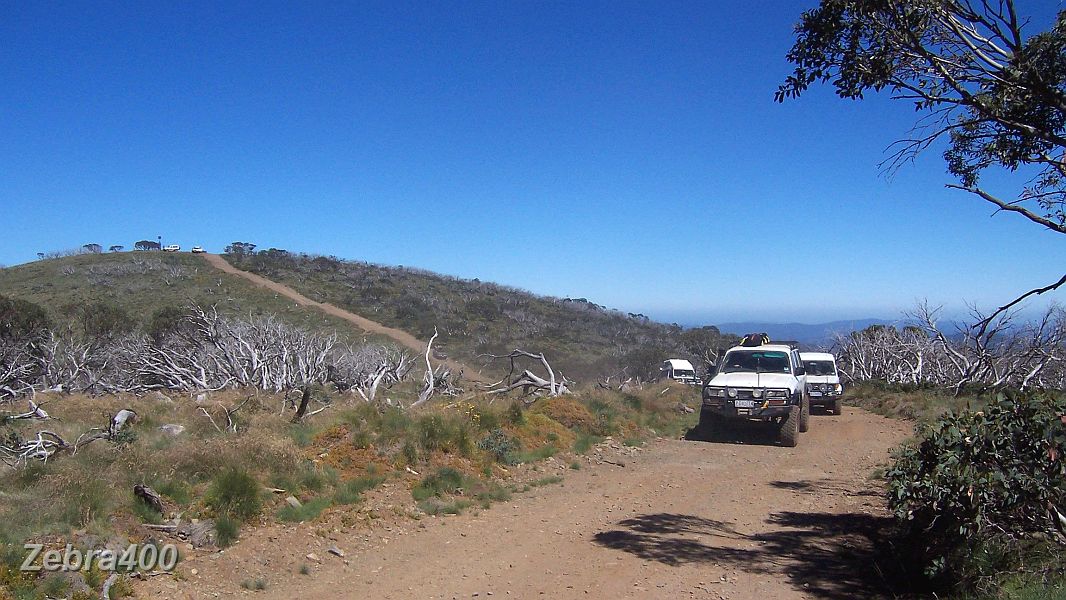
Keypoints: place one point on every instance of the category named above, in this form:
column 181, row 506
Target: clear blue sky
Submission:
column 626, row 152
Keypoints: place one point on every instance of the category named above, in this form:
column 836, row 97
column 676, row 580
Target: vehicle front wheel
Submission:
column 835, row 406
column 708, row 427
column 805, row 414
column 788, row 434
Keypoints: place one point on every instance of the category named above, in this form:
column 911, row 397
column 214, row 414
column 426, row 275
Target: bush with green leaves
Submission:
column 235, row 493
column 982, row 486
column 499, row 444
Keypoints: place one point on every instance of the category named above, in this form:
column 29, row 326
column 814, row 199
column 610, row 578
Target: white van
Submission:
column 680, row 370
column 823, row 380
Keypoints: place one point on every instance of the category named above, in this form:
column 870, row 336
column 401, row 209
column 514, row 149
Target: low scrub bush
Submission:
column 351, row 492
column 235, row 493
column 499, row 444
column 585, row 442
column 919, row 403
column 532, row 455
column 568, row 411
column 308, row 511
column 444, row 482
column 227, row 529
column 983, row 490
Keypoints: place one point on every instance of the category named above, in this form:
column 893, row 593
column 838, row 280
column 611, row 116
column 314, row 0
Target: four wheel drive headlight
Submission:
column 756, row 393
column 713, row 392
column 777, row 393
column 732, row 392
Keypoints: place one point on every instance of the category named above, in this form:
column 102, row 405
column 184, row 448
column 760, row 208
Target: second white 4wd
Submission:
column 764, row 383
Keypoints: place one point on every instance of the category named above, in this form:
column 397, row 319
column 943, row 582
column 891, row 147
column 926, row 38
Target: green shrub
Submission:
column 85, row 499
column 452, row 434
column 145, row 512
column 54, row 586
column 235, row 493
column 350, row 492
column 302, row 434
column 308, row 511
column 436, row 506
column 226, row 531
column 979, row 484
column 530, row 456
column 177, row 491
column 585, row 442
column 499, row 444
column 445, row 481
column 515, row 414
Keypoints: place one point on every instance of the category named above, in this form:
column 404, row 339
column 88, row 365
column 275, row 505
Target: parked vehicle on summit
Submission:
column 823, row 380
column 759, row 381
column 678, row 370
column 171, row 248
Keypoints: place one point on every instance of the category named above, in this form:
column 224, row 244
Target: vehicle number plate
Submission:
column 816, row 393
column 745, row 404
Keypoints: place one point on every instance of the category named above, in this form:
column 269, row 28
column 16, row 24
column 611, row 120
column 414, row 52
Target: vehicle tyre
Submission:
column 805, row 414
column 788, row 435
column 835, row 407
column 708, row 427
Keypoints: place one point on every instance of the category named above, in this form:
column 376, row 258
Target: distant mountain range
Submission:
column 814, row 335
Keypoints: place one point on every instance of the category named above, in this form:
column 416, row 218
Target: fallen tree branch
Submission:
column 530, row 383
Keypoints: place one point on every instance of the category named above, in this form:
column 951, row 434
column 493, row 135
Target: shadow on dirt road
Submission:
column 832, row 556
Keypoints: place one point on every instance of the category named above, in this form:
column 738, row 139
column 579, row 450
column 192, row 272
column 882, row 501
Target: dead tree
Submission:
column 229, row 413
column 999, row 353
column 16, row 452
column 530, row 383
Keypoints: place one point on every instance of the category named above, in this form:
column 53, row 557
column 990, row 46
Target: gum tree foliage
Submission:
column 985, row 84
column 146, row 245
column 240, row 248
column 984, row 482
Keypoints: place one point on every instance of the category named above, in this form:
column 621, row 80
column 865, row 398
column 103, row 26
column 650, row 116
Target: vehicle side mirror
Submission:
column 800, row 371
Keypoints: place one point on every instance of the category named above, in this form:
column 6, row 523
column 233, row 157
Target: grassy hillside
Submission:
column 142, row 283
column 581, row 338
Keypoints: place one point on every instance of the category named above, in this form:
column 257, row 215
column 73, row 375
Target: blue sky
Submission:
column 630, row 153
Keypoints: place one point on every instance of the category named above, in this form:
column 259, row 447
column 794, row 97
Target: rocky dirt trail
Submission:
column 399, row 336
column 741, row 519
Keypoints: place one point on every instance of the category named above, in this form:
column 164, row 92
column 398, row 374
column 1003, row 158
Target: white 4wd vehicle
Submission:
column 171, row 248
column 823, row 381
column 680, row 370
column 764, row 383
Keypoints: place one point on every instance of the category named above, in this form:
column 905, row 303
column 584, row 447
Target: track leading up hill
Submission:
column 400, row 337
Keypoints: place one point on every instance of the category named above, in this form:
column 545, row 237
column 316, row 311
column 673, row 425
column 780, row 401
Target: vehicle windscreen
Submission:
column 684, row 373
column 756, row 361
column 820, row 367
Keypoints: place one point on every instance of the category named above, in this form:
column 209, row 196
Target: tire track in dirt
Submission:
column 397, row 335
column 732, row 520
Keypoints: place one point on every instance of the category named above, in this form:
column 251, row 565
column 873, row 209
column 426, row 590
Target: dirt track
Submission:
column 680, row 519
column 399, row 336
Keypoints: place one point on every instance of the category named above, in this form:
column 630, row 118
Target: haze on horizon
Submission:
column 630, row 154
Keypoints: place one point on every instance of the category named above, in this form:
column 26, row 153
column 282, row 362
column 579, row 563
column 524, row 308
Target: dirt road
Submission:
column 679, row 519
column 399, row 336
